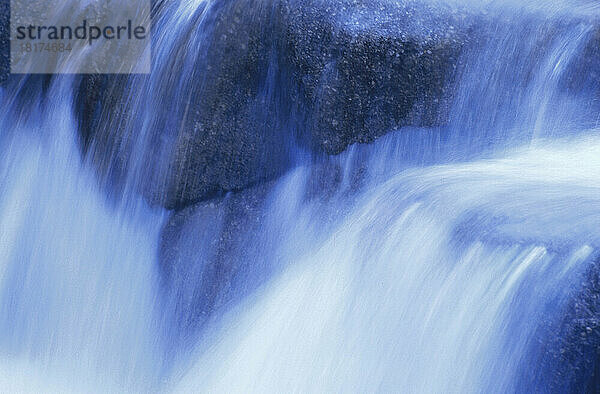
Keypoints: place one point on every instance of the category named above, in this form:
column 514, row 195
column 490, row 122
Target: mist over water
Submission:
column 428, row 261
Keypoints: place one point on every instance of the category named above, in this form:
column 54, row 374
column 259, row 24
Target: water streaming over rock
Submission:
column 444, row 259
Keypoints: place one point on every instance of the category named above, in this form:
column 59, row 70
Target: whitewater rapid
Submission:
column 434, row 282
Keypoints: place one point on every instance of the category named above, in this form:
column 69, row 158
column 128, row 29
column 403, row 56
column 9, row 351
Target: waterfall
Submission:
column 415, row 284
column 444, row 259
column 77, row 281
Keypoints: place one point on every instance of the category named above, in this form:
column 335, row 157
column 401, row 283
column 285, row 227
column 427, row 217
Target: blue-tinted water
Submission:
column 428, row 264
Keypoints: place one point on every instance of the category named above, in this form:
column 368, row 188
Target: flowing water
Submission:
column 435, row 263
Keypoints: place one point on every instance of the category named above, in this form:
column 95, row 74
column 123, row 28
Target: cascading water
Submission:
column 77, row 282
column 432, row 260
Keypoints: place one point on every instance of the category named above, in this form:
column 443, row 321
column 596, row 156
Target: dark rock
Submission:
column 214, row 121
column 256, row 81
column 235, row 135
column 566, row 358
column 4, row 40
column 584, row 78
column 366, row 68
column 212, row 255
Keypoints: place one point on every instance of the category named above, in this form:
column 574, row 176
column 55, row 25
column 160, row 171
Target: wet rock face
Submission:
column 365, row 68
column 567, row 352
column 210, row 107
column 265, row 78
column 214, row 243
column 234, row 135
column 578, row 356
column 585, row 77
column 4, row 40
